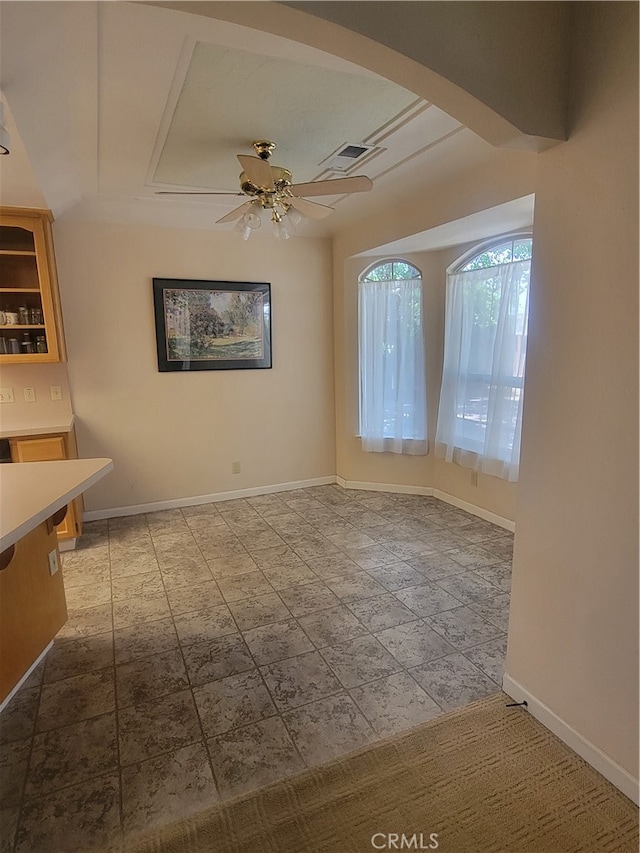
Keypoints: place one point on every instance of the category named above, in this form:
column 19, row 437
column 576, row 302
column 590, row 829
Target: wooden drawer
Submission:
column 49, row 448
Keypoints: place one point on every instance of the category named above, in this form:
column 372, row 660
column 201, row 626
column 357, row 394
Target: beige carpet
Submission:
column 485, row 779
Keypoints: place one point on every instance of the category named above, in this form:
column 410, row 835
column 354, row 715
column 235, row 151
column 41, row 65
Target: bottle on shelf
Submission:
column 26, row 345
column 41, row 343
column 23, row 315
column 14, row 346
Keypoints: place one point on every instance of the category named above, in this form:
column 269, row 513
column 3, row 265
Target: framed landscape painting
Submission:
column 212, row 325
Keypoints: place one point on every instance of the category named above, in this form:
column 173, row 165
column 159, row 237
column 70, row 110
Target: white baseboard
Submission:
column 479, row 511
column 385, row 487
column 594, row 756
column 40, row 657
column 428, row 491
column 155, row 506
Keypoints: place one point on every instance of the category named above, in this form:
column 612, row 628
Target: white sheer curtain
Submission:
column 480, row 411
column 392, row 373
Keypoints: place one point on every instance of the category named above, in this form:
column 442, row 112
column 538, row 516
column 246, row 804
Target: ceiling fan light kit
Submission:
column 248, row 222
column 271, row 189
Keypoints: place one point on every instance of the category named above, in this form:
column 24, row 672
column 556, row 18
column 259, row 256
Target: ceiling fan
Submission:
column 270, row 188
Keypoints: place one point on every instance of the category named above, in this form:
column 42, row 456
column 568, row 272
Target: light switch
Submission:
column 29, row 395
column 56, row 392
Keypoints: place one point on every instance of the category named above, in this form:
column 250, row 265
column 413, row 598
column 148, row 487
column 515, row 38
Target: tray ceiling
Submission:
column 230, row 97
column 140, row 98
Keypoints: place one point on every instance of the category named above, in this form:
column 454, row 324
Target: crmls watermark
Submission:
column 397, row 841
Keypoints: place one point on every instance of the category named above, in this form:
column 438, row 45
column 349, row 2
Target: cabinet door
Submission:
column 32, row 606
column 29, row 289
column 68, row 527
column 48, row 448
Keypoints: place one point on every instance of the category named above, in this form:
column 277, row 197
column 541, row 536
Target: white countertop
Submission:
column 31, row 492
column 51, row 426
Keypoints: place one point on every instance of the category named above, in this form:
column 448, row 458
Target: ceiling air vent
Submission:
column 344, row 158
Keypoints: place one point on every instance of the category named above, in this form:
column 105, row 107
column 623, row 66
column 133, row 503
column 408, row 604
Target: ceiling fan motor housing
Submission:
column 271, row 188
column 263, row 148
column 282, row 178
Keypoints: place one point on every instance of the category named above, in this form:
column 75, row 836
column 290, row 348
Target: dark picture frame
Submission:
column 212, row 325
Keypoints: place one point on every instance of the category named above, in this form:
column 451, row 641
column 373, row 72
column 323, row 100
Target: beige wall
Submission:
column 44, row 411
column 508, row 175
column 573, row 638
column 175, row 435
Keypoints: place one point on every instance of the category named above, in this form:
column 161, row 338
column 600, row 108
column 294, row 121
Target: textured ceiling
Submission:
column 230, row 98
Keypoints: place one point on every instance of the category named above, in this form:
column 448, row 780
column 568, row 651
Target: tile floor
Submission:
column 218, row 648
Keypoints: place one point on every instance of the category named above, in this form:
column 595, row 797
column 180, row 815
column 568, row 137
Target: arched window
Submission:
column 391, row 355
column 480, row 411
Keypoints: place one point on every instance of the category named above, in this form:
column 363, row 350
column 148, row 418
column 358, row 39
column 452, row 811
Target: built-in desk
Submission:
column 18, row 427
column 32, row 601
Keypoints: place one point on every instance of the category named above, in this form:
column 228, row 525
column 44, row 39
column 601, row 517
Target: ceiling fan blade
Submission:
column 311, row 208
column 336, row 186
column 236, row 213
column 258, row 171
column 188, row 192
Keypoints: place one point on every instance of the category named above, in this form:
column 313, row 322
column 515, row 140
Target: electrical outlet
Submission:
column 6, row 395
column 56, row 392
column 29, row 395
column 235, row 467
column 53, row 562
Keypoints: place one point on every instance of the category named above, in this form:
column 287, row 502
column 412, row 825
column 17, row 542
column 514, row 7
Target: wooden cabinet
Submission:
column 52, row 448
column 28, row 289
column 32, row 604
